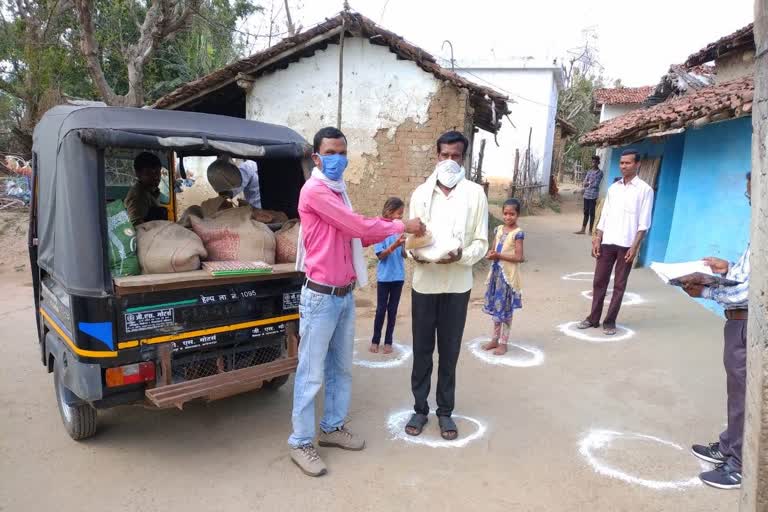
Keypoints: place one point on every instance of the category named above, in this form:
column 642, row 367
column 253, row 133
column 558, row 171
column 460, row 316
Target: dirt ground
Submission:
column 666, row 382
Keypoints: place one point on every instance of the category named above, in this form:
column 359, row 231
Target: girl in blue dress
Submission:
column 503, row 295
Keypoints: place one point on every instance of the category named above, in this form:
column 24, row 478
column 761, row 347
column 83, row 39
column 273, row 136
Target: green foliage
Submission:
column 209, row 42
column 583, row 75
column 41, row 62
column 575, row 106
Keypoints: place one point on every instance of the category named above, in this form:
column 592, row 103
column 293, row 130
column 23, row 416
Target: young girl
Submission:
column 503, row 294
column 390, row 276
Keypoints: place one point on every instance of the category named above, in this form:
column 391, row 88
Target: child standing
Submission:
column 503, row 295
column 390, row 276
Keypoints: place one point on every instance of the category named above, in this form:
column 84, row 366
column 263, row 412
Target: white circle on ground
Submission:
column 400, row 354
column 533, row 357
column 569, row 329
column 397, row 421
column 629, row 299
column 580, row 276
column 597, row 440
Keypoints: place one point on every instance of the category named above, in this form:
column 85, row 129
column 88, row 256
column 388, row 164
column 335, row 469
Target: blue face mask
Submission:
column 333, row 166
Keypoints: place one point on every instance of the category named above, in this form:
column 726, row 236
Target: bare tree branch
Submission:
column 291, row 26
column 90, row 49
column 163, row 20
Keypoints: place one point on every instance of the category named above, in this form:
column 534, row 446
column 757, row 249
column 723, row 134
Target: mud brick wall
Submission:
column 406, row 155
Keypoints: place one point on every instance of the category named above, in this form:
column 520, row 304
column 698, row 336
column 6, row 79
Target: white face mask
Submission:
column 449, row 173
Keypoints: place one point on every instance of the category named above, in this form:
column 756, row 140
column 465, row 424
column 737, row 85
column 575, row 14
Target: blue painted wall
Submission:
column 712, row 216
column 671, row 152
column 700, row 208
column 711, row 213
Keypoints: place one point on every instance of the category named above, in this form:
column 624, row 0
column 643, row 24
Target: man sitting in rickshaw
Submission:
column 143, row 200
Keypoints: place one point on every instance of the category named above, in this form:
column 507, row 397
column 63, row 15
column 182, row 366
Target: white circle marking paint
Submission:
column 580, row 276
column 400, row 354
column 535, row 357
column 569, row 329
column 396, row 426
column 629, row 299
column 602, row 439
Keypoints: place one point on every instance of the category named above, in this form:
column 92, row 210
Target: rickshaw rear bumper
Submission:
column 219, row 386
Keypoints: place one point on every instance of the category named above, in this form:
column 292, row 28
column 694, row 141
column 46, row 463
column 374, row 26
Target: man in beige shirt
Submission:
column 452, row 207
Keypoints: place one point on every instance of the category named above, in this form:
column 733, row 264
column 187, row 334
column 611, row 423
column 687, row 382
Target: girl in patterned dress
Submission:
column 503, row 295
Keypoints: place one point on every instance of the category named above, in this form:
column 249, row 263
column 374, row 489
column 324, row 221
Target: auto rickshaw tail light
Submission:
column 130, row 374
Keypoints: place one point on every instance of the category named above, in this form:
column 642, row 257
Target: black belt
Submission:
column 338, row 291
column 736, row 314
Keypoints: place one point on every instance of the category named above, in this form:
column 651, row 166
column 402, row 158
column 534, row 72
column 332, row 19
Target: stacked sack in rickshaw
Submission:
column 287, row 240
column 165, row 247
column 234, row 235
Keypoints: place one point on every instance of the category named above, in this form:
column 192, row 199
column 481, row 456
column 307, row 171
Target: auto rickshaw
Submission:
column 160, row 340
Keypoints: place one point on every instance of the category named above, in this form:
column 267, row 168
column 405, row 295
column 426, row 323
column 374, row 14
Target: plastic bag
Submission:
column 123, row 260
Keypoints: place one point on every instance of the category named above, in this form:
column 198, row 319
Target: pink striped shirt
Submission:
column 328, row 226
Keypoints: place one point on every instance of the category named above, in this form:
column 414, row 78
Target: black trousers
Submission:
column 387, row 301
column 589, row 214
column 735, row 361
column 438, row 317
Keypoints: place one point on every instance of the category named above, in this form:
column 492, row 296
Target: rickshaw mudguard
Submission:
column 82, row 379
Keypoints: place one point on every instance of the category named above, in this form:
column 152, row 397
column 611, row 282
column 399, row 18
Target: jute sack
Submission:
column 269, row 216
column 214, row 205
column 186, row 217
column 232, row 235
column 287, row 241
column 168, row 247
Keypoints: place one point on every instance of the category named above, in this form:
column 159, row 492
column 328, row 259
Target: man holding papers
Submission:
column 625, row 219
column 726, row 453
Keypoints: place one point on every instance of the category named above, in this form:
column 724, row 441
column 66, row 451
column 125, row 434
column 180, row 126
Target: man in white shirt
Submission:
column 625, row 220
column 454, row 208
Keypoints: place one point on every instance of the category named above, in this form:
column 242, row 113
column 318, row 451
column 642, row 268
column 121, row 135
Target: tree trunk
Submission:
column 754, row 495
column 164, row 18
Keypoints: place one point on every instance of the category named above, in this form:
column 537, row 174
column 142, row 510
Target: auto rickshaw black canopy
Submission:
column 69, row 172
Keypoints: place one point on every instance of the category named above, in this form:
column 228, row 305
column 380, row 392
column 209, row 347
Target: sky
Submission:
column 637, row 41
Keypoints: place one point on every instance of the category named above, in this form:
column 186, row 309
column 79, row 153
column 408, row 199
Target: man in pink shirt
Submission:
column 330, row 253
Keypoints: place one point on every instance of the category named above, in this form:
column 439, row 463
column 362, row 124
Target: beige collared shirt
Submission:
column 627, row 210
column 432, row 278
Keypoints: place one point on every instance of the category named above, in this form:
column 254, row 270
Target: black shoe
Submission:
column 722, row 477
column 709, row 453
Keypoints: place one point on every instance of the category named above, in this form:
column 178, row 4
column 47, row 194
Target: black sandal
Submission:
column 416, row 423
column 448, row 429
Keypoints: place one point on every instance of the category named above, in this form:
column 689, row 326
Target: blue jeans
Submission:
column 327, row 330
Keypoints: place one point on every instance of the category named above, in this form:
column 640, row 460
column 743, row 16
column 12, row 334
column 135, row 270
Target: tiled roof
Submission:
column 680, row 80
column 489, row 105
column 716, row 103
column 742, row 38
column 621, row 95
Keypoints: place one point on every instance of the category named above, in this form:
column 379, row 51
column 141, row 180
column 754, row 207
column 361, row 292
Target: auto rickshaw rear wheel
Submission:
column 79, row 418
column 276, row 383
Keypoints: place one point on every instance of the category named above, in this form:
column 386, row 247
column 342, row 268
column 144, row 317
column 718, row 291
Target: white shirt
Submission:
column 249, row 172
column 432, row 278
column 626, row 211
